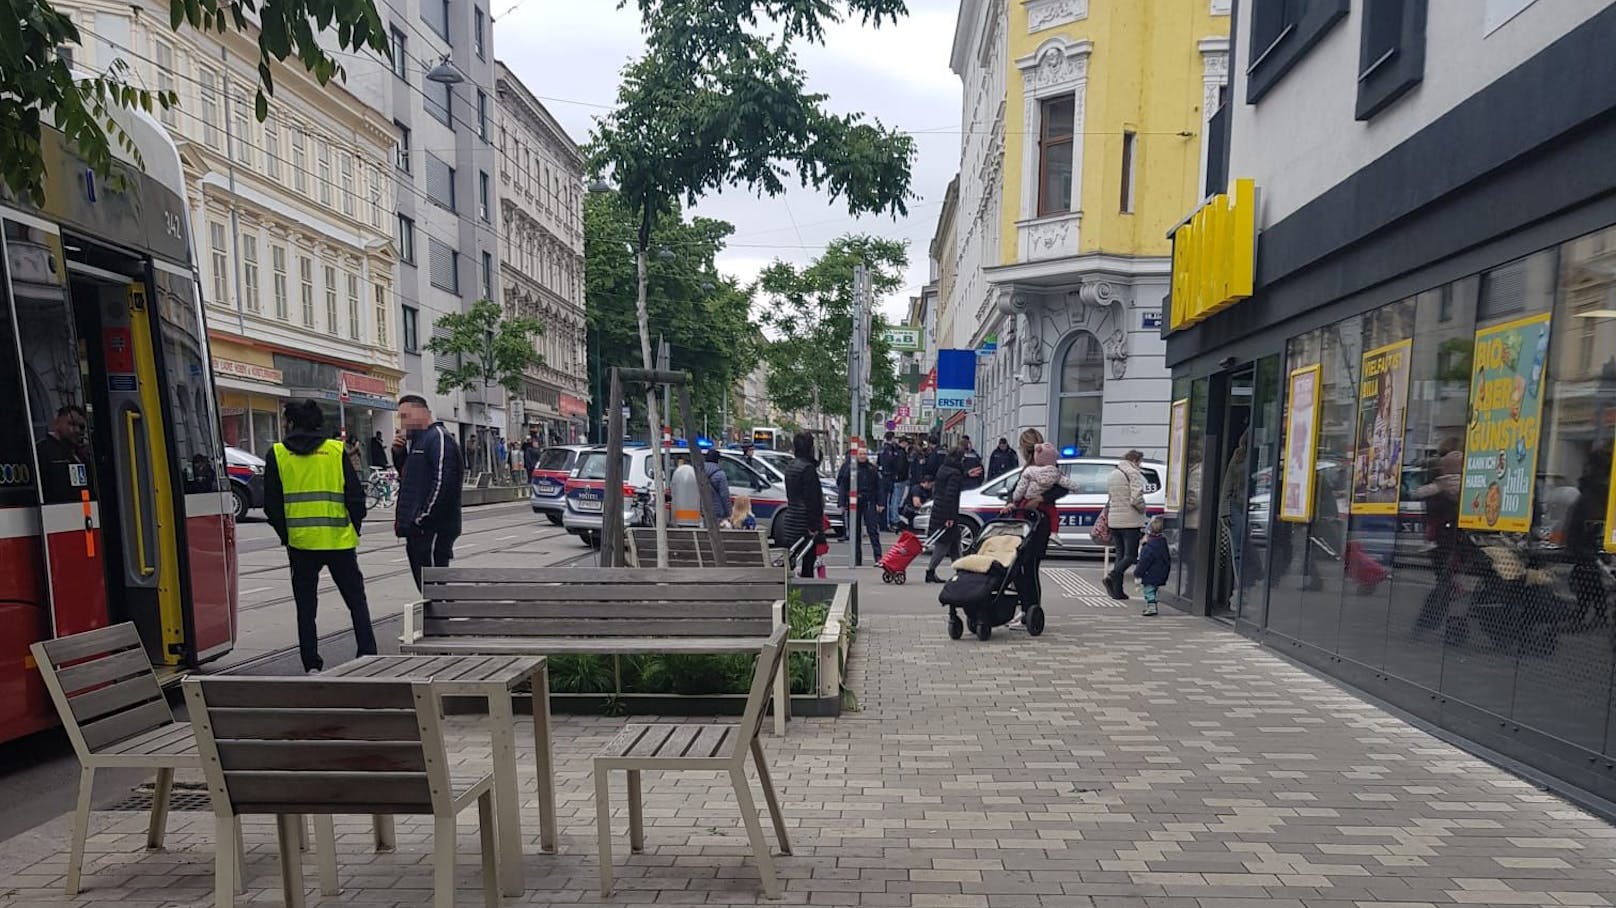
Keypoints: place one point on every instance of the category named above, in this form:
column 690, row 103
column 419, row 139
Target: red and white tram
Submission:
column 114, row 499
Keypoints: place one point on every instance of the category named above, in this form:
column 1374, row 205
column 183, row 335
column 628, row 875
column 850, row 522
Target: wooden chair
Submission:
column 698, row 747
column 294, row 746
column 115, row 714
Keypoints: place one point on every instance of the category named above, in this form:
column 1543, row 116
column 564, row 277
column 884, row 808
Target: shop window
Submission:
column 1055, row 119
column 1082, row 394
column 1391, row 53
column 1282, row 33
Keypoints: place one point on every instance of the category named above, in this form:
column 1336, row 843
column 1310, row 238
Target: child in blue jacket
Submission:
column 1155, row 563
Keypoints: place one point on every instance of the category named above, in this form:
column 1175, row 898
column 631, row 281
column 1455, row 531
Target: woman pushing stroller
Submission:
column 1033, row 492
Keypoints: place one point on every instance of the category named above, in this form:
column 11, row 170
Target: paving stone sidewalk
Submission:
column 1115, row 762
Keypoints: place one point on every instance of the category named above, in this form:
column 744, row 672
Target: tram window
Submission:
column 17, row 487
column 50, row 364
column 194, row 418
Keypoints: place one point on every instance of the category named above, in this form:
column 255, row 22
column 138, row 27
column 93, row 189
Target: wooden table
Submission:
column 494, row 679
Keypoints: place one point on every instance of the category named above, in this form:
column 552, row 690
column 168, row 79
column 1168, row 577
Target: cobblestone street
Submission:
column 1112, row 762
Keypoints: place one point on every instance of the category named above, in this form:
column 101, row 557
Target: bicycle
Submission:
column 381, row 488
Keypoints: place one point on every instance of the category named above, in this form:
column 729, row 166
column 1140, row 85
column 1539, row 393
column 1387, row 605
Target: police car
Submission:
column 549, row 480
column 1078, row 510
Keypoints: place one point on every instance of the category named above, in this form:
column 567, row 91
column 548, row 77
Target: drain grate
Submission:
column 185, row 796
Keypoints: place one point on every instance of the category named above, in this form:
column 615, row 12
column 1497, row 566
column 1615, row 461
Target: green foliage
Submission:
column 703, row 315
column 719, row 100
column 38, row 88
column 809, row 314
column 492, row 349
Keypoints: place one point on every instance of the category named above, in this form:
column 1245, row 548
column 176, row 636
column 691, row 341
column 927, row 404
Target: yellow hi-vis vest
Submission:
column 312, row 486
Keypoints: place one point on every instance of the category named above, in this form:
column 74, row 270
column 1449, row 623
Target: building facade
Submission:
column 1396, row 372
column 443, row 167
column 1084, row 124
column 541, row 219
column 290, row 219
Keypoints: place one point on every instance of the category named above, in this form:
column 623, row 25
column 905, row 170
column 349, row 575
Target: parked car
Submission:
column 1077, row 510
column 246, row 471
column 549, row 480
column 585, row 491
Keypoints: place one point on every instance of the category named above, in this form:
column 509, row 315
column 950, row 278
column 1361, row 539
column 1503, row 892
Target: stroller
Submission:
column 895, row 563
column 983, row 585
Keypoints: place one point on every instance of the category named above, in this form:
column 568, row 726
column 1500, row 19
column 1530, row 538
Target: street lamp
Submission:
column 445, row 72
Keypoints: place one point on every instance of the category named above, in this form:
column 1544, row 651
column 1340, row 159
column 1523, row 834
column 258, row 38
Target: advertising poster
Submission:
column 1178, row 438
column 1506, row 406
column 1377, row 453
column 1301, row 445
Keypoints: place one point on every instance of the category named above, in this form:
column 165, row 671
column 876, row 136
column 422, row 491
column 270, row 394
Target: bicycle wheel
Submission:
column 373, row 496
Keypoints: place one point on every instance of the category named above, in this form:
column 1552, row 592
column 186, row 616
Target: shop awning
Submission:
column 227, row 383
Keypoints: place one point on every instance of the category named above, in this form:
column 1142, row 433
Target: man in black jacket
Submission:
column 870, row 505
column 427, row 516
column 970, row 463
column 945, row 489
column 1002, row 460
column 886, row 463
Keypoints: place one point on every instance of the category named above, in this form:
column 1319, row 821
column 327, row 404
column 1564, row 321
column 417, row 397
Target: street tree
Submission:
column 718, row 100
column 490, row 349
column 703, row 316
column 38, row 86
column 808, row 314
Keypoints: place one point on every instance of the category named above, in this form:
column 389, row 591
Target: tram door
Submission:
column 95, row 426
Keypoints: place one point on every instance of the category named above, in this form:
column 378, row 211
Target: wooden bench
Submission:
column 703, row 748
column 609, row 611
column 116, row 715
column 294, row 746
column 692, row 547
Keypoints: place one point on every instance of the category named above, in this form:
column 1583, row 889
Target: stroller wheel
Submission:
column 956, row 627
column 900, row 578
column 984, row 630
column 1035, row 620
column 886, row 576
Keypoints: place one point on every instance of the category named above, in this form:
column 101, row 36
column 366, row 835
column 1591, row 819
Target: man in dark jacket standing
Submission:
column 970, row 463
column 316, row 503
column 804, row 523
column 934, row 459
column 531, row 449
column 945, row 491
column 427, row 516
column 886, row 463
column 1002, row 460
column 870, row 505
column 378, row 451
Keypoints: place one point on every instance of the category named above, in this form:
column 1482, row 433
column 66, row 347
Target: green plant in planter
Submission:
column 581, row 674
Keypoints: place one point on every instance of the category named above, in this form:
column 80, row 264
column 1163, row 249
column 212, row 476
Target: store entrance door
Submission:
column 1227, row 574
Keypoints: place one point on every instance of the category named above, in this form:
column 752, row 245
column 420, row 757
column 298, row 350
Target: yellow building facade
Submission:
column 1084, row 125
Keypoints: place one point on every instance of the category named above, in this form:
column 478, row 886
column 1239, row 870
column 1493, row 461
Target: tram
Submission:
column 114, row 495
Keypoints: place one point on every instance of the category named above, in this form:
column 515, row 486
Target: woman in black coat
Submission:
column 805, row 502
column 945, row 491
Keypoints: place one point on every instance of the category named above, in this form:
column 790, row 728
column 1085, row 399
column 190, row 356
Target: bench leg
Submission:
column 488, row 838
column 161, row 789
column 754, row 832
column 288, row 832
column 325, row 853
column 782, row 696
column 507, row 795
column 603, row 824
column 443, row 862
column 81, row 830
column 227, row 862
column 636, row 816
column 770, row 797
column 544, row 760
column 241, row 857
column 385, row 840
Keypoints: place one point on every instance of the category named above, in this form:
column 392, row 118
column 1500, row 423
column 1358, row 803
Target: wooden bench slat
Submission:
column 604, row 592
column 651, row 742
column 561, row 646
column 747, row 608
column 115, row 698
column 711, row 741
column 313, row 693
column 174, row 738
column 333, row 789
column 595, row 575
column 605, row 627
column 326, row 756
column 99, row 642
column 124, row 664
column 127, row 724
column 315, row 724
column 678, row 743
column 466, row 669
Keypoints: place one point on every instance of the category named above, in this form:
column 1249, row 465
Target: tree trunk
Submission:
column 657, row 483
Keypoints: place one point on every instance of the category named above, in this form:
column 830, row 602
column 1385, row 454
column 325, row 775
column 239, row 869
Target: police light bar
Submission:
column 1069, row 451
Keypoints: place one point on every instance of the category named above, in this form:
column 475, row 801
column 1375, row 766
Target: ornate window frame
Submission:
column 1058, row 67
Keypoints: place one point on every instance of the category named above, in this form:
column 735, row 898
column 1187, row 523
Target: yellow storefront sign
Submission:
column 1215, row 255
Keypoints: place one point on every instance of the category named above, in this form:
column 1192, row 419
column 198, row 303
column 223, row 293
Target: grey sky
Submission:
column 570, row 55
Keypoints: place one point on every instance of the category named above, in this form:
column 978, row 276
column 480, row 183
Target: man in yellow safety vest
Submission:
column 316, row 503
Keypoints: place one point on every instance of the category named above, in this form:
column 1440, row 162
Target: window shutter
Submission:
column 441, row 266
